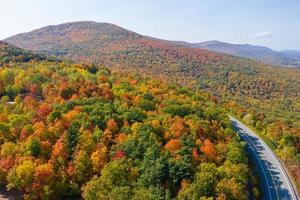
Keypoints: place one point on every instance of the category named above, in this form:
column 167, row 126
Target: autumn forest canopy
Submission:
column 101, row 112
column 75, row 130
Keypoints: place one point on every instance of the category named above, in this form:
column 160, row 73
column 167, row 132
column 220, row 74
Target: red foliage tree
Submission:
column 208, row 148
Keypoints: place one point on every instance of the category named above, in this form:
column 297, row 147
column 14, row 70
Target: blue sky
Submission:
column 272, row 23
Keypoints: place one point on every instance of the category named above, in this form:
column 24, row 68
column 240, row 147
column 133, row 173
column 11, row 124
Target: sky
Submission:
column 271, row 23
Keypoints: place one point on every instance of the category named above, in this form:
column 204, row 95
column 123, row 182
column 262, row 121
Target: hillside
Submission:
column 79, row 132
column 248, row 81
column 110, row 45
column 264, row 54
column 10, row 53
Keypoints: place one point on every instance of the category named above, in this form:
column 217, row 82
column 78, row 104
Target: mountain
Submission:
column 264, row 96
column 283, row 58
column 293, row 55
column 78, row 36
column 253, row 83
column 292, row 52
column 112, row 46
column 244, row 50
column 10, row 53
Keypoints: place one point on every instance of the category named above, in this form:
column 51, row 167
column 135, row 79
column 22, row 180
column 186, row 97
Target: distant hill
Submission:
column 70, row 38
column 294, row 55
column 292, row 52
column 111, row 45
column 283, row 58
column 89, row 40
column 10, row 53
column 228, row 77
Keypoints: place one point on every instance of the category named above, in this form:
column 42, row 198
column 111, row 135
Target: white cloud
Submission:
column 264, row 34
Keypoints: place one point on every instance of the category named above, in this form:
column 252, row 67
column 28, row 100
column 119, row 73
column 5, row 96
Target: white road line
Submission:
column 266, row 178
column 274, row 184
column 274, row 157
column 280, row 166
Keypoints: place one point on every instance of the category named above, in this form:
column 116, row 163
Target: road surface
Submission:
column 275, row 181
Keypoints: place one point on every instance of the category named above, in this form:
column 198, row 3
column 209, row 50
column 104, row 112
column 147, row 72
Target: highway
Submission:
column 275, row 180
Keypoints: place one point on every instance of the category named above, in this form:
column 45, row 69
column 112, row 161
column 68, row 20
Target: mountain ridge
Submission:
column 110, row 45
column 67, row 36
column 67, row 31
column 261, row 53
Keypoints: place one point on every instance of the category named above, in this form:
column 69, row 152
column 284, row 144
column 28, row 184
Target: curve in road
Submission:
column 276, row 183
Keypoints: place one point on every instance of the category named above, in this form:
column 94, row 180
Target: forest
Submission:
column 264, row 97
column 70, row 131
column 10, row 53
column 38, row 94
column 271, row 90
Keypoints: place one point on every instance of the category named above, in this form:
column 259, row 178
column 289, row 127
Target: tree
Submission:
column 72, row 136
column 12, row 91
column 59, row 150
column 173, row 145
column 8, row 76
column 66, row 92
column 239, row 172
column 8, row 149
column 231, row 189
column 146, row 105
column 248, row 119
column 236, row 153
column 179, row 110
column 208, row 148
column 153, row 168
column 5, row 133
column 98, row 159
column 21, row 176
column 43, row 183
column 204, row 183
column 134, row 115
column 34, row 147
column 82, row 167
column 54, row 115
column 112, row 125
column 44, row 110
column 116, row 176
column 176, row 129
column 149, row 193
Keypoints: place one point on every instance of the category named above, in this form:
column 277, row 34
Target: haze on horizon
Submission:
column 271, row 23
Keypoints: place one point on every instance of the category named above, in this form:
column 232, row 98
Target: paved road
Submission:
column 276, row 183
